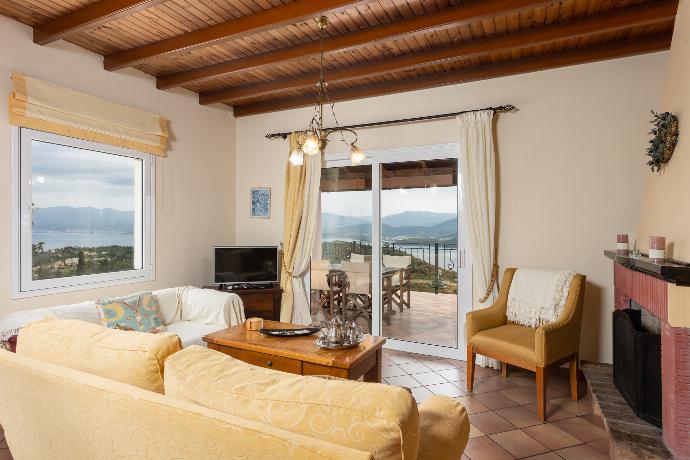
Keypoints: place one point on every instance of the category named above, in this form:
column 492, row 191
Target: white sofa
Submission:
column 187, row 311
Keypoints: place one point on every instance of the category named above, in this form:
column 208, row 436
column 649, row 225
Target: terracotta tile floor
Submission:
column 503, row 417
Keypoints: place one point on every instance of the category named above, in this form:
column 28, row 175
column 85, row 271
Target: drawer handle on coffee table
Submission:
column 269, row 363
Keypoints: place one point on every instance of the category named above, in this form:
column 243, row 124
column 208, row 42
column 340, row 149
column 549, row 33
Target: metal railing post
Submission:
column 438, row 279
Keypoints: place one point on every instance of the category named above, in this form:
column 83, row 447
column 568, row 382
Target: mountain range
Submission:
column 69, row 219
column 410, row 225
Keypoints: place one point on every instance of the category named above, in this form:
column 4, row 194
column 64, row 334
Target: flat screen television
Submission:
column 245, row 264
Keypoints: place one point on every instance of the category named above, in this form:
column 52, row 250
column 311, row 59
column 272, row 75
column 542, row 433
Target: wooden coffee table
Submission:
column 299, row 355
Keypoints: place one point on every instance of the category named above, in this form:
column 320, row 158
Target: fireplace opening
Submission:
column 637, row 363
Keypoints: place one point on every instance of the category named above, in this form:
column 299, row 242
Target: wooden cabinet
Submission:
column 262, row 303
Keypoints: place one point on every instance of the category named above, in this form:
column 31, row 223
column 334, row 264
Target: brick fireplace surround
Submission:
column 670, row 303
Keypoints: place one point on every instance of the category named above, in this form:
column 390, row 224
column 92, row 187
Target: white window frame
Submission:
column 22, row 284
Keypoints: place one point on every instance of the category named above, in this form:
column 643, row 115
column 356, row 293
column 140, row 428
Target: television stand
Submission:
column 262, row 302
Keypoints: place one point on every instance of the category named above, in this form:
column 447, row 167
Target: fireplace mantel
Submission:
column 669, row 271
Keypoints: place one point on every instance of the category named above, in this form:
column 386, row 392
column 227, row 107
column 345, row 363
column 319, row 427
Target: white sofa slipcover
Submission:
column 187, row 311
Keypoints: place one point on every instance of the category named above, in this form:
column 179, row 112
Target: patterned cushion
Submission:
column 137, row 312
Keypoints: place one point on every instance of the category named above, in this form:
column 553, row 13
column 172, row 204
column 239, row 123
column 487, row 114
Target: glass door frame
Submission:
column 375, row 158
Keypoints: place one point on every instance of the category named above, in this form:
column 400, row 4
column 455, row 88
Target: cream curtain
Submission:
column 43, row 106
column 478, row 169
column 302, row 185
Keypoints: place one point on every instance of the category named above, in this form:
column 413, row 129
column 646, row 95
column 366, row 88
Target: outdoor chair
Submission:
column 327, row 285
column 401, row 279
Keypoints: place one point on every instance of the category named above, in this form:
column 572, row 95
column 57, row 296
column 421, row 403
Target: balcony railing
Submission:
column 436, row 263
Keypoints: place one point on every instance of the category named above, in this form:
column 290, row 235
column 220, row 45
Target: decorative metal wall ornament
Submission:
column 315, row 137
column 661, row 146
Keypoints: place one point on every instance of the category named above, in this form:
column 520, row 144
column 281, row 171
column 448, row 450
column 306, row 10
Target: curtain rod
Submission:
column 500, row 108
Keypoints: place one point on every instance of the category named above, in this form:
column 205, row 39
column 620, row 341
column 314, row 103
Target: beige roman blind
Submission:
column 43, row 106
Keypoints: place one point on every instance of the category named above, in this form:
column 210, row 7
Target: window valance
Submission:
column 43, row 106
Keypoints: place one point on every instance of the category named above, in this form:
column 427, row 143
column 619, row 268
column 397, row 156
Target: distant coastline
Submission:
column 76, row 238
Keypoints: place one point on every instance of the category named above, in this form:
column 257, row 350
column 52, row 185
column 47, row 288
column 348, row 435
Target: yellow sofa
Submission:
column 52, row 411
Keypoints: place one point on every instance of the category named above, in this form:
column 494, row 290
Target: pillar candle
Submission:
column 657, row 248
column 622, row 245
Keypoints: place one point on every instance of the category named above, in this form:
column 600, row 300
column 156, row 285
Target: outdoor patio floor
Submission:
column 431, row 319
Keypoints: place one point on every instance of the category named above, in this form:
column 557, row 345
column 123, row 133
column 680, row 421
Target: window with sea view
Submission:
column 85, row 212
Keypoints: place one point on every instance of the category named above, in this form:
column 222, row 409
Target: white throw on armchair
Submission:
column 187, row 311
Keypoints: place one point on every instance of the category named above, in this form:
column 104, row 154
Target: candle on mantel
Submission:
column 622, row 245
column 657, row 248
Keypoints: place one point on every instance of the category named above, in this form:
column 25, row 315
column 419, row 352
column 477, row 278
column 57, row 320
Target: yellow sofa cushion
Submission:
column 136, row 358
column 511, row 340
column 445, row 428
column 52, row 412
column 379, row 419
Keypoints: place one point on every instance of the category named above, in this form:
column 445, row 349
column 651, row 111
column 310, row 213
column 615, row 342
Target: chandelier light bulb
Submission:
column 356, row 155
column 297, row 157
column 311, row 144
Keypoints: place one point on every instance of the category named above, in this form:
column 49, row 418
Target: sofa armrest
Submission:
column 561, row 338
column 444, row 428
column 211, row 307
column 488, row 318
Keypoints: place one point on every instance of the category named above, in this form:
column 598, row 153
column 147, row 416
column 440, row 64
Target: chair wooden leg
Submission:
column 470, row 367
column 574, row 365
column 504, row 370
column 541, row 393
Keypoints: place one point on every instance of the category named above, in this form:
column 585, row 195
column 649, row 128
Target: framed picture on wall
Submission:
column 260, row 205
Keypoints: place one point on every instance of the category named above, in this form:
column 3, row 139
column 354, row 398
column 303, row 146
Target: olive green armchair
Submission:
column 489, row 333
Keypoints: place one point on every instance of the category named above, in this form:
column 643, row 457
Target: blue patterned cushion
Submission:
column 137, row 312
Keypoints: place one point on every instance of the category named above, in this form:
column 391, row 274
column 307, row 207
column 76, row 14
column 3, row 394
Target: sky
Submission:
column 67, row 176
column 434, row 199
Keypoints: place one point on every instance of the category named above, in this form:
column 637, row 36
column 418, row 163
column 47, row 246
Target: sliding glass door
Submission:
column 419, row 251
column 391, row 250
column 343, row 246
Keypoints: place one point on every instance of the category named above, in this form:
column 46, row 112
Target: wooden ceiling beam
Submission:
column 468, row 12
column 620, row 19
column 271, row 18
column 647, row 44
column 88, row 17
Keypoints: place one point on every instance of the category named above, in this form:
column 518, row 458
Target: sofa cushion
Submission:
column 190, row 332
column 136, row 312
column 511, row 340
column 83, row 311
column 168, row 305
column 136, row 358
column 376, row 418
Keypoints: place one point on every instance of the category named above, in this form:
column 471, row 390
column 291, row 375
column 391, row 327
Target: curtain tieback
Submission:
column 492, row 281
column 291, row 273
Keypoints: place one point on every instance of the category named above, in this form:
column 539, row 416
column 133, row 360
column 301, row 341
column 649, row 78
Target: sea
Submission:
column 55, row 240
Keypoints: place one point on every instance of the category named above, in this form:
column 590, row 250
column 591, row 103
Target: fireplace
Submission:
column 637, row 364
column 652, row 303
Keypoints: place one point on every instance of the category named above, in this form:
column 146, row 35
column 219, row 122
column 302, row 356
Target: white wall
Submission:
column 570, row 164
column 195, row 191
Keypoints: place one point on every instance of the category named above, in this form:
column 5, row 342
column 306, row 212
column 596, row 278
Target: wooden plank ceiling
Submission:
column 262, row 55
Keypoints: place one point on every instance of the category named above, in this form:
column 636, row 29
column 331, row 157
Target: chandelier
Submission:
column 313, row 140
